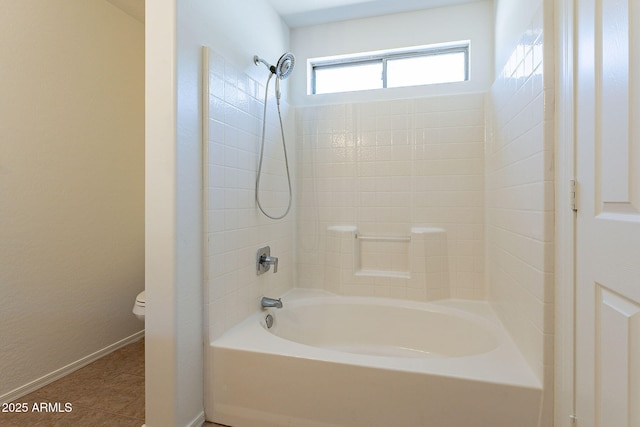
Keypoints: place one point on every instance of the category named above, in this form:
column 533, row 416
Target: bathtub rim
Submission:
column 384, row 322
column 502, row 365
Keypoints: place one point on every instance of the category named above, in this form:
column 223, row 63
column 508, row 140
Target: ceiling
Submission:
column 300, row 13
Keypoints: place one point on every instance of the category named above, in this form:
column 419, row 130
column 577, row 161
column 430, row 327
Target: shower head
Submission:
column 283, row 68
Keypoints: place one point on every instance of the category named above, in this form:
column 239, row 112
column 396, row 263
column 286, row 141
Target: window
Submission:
column 445, row 63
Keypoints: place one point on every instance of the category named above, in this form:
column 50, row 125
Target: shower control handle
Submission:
column 270, row 260
column 264, row 261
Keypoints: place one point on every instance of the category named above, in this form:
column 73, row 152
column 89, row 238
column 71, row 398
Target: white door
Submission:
column 608, row 220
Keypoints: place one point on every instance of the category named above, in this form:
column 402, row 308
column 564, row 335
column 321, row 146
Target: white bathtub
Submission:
column 356, row 361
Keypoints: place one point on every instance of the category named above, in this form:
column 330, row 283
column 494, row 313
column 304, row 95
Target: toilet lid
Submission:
column 141, row 299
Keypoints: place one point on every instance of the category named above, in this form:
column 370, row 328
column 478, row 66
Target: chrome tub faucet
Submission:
column 267, row 302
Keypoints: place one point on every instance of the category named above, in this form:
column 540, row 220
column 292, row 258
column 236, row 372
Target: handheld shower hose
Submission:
column 282, row 70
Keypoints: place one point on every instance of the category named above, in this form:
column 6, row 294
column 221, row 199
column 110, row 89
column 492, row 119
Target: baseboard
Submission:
column 197, row 421
column 66, row 370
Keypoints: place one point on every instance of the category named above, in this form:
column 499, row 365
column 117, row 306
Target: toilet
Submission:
column 138, row 306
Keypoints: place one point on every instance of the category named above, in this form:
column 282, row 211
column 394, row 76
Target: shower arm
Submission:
column 272, row 68
column 257, row 59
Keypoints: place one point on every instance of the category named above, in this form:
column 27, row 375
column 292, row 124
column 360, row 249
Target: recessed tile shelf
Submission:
column 412, row 266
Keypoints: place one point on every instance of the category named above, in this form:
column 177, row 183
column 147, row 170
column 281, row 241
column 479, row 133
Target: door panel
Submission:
column 608, row 218
column 612, row 98
column 618, row 358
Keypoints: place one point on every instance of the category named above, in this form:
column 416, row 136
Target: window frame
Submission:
column 384, row 56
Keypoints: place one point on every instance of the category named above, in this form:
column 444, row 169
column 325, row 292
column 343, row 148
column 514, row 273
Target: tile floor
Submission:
column 108, row 392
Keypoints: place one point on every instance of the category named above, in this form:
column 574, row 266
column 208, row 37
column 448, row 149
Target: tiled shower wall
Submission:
column 234, row 227
column 385, row 167
column 520, row 200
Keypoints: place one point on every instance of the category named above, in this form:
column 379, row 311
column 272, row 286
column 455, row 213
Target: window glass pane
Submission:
column 348, row 78
column 440, row 68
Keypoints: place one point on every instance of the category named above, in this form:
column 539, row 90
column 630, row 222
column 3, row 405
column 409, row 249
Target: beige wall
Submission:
column 71, row 183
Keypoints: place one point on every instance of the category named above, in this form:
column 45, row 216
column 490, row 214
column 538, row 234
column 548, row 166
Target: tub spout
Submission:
column 267, row 302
